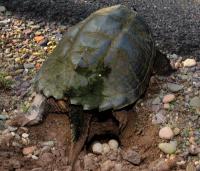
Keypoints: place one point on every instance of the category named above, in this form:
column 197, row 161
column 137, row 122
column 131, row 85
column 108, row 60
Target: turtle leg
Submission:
column 162, row 64
column 122, row 117
column 34, row 114
column 80, row 124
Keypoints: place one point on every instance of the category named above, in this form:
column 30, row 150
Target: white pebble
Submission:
column 106, row 148
column 97, row 148
column 25, row 135
column 166, row 133
column 113, row 144
column 34, row 157
column 189, row 63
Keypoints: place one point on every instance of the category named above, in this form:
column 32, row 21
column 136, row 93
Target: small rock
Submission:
column 166, row 106
column 189, row 63
column 38, row 39
column 113, row 144
column 2, row 9
column 159, row 118
column 168, row 98
column 106, row 148
column 25, row 135
column 168, row 148
column 166, row 133
column 29, row 150
column 156, row 101
column 132, row 156
column 190, row 167
column 28, row 66
column 12, row 128
column 194, row 150
column 48, row 143
column 4, row 117
column 174, row 87
column 4, row 22
column 176, row 131
column 34, row 157
column 195, row 102
column 97, row 148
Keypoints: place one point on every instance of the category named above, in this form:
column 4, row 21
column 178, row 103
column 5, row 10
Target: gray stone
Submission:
column 156, row 101
column 4, row 22
column 159, row 118
column 3, row 117
column 195, row 102
column 174, row 87
column 2, row 9
column 132, row 157
column 29, row 66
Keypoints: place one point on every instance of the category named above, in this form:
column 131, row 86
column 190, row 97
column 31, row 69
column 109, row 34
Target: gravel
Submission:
column 175, row 23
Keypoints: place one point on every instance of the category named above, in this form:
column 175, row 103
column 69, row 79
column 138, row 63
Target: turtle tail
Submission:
column 80, row 124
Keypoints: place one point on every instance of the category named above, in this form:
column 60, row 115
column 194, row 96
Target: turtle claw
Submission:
column 33, row 116
column 122, row 118
column 20, row 120
column 24, row 119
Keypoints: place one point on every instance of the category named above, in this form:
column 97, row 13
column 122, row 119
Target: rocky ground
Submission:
column 175, row 23
column 163, row 132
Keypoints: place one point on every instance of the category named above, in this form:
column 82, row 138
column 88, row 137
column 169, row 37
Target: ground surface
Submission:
column 24, row 45
column 175, row 23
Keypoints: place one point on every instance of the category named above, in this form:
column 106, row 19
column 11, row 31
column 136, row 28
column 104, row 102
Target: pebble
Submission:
column 4, row 22
column 166, row 106
column 176, row 131
column 97, row 148
column 3, row 117
column 34, row 157
column 48, row 143
column 159, row 118
column 28, row 66
column 195, row 102
column 113, row 144
column 174, row 87
column 29, row 150
column 194, row 150
column 168, row 148
column 2, row 9
column 38, row 39
column 166, row 133
column 189, row 63
column 132, row 156
column 106, row 148
column 156, row 101
column 25, row 135
column 168, row 98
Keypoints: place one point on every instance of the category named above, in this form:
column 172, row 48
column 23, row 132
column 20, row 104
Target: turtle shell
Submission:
column 103, row 62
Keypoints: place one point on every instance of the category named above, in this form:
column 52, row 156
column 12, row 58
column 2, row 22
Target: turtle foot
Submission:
column 33, row 116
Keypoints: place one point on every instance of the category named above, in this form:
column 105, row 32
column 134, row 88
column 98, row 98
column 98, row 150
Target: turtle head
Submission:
column 162, row 64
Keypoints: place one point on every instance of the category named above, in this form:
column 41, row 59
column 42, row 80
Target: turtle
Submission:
column 100, row 68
